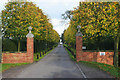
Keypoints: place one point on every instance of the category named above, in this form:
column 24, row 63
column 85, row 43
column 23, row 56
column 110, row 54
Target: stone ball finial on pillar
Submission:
column 79, row 33
column 30, row 34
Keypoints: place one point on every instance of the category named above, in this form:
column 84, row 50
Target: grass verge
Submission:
column 42, row 56
column 71, row 56
column 113, row 71
column 74, row 50
column 10, row 65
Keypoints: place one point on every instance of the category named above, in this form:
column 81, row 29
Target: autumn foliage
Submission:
column 97, row 20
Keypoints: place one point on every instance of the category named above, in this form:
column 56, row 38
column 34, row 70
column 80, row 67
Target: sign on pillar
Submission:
column 78, row 43
column 30, row 46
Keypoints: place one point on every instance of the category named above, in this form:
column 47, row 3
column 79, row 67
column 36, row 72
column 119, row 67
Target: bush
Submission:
column 8, row 45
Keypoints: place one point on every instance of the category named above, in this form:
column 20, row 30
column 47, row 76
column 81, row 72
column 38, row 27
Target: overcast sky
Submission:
column 54, row 9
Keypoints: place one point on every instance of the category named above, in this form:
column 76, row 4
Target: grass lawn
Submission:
column 115, row 72
column 10, row 65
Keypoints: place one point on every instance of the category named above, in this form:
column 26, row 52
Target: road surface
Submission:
column 57, row 64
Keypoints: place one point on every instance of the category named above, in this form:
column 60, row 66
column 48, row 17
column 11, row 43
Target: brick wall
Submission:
column 92, row 56
column 87, row 56
column 14, row 58
column 20, row 57
column 107, row 58
column 95, row 57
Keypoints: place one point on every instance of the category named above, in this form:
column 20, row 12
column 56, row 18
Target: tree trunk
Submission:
column 116, row 45
column 37, row 46
column 98, row 43
column 18, row 45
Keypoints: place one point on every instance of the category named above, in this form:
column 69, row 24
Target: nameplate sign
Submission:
column 102, row 53
column 84, row 47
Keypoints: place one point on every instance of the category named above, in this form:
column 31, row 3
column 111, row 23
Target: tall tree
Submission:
column 100, row 19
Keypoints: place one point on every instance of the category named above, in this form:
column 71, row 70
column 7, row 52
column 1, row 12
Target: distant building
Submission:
column 61, row 41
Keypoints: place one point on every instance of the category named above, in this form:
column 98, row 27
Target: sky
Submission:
column 54, row 9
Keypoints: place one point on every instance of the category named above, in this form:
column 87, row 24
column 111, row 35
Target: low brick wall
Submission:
column 107, row 58
column 92, row 56
column 16, row 58
column 20, row 57
column 87, row 56
column 96, row 57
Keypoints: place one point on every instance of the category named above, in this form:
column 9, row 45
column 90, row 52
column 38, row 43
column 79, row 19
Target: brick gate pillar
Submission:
column 30, row 46
column 78, row 43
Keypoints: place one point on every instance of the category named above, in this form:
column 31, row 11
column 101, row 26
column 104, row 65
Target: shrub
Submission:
column 8, row 45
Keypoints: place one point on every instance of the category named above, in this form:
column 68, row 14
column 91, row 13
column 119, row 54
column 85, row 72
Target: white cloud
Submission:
column 56, row 22
column 59, row 25
column 2, row 4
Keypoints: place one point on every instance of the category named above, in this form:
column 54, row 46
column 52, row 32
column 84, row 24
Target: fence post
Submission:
column 78, row 43
column 37, row 56
column 40, row 54
column 30, row 46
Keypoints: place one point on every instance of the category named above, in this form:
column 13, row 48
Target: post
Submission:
column 30, row 46
column 78, row 43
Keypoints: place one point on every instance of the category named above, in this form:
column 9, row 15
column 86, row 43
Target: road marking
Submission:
column 81, row 70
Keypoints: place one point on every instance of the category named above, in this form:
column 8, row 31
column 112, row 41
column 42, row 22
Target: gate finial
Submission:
column 30, row 34
column 79, row 33
column 78, row 28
